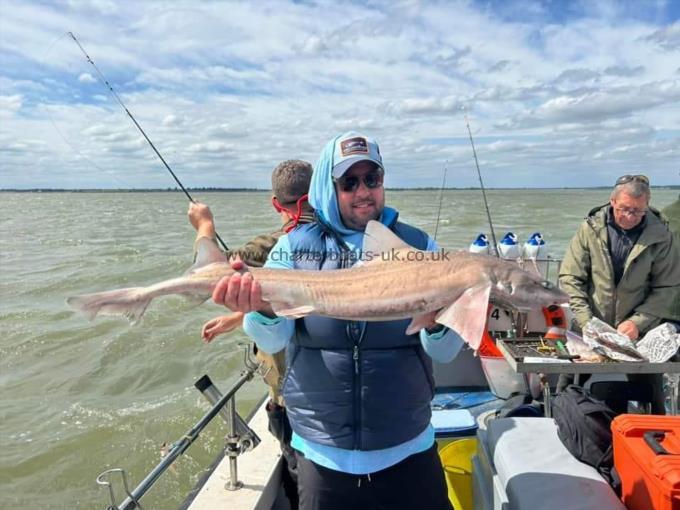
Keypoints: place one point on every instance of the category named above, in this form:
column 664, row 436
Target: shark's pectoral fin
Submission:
column 419, row 322
column 467, row 315
column 284, row 310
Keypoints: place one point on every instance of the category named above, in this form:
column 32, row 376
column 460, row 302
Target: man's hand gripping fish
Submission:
column 394, row 281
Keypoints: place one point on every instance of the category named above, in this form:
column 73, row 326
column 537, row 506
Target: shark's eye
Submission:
column 509, row 288
column 547, row 285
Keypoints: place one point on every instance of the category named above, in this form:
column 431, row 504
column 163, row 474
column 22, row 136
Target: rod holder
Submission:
column 248, row 439
column 240, row 438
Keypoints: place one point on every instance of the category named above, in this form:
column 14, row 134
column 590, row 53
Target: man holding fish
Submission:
column 358, row 393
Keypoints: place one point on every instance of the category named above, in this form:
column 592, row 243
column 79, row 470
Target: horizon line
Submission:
column 239, row 189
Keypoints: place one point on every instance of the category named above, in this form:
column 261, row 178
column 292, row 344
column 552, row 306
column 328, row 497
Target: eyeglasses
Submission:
column 350, row 183
column 630, row 212
column 624, row 179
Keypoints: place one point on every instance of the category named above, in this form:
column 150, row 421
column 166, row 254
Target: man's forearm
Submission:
column 206, row 229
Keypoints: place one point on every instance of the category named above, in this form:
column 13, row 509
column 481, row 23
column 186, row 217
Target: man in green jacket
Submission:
column 623, row 267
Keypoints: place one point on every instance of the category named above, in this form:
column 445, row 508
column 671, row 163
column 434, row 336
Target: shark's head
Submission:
column 515, row 288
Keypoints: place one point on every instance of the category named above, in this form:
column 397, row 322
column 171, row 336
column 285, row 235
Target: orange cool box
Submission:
column 647, row 458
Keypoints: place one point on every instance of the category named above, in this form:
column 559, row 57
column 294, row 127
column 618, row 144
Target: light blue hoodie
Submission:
column 272, row 335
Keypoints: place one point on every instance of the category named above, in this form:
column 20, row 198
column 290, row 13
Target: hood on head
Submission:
column 322, row 195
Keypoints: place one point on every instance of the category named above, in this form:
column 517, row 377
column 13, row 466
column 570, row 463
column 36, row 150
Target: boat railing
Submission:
column 240, row 439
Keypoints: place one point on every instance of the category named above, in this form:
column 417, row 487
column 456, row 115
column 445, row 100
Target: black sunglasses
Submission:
column 350, row 183
column 624, row 179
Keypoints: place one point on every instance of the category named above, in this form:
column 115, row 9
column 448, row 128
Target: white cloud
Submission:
column 172, row 120
column 210, row 147
column 599, row 105
column 244, row 85
column 668, row 37
column 10, row 104
column 314, row 45
column 86, row 78
column 577, row 75
column 624, row 70
column 430, row 105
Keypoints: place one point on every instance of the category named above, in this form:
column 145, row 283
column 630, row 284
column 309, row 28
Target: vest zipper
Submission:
column 356, row 331
column 289, row 367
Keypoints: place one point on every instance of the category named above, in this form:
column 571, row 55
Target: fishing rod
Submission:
column 113, row 92
column 441, row 198
column 481, row 183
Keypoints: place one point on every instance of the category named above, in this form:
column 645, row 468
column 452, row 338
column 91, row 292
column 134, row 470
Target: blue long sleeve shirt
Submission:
column 273, row 334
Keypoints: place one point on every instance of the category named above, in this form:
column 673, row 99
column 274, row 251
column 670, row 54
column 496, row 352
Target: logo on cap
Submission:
column 357, row 145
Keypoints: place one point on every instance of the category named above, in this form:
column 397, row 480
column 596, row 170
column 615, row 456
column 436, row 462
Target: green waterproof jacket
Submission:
column 254, row 253
column 648, row 291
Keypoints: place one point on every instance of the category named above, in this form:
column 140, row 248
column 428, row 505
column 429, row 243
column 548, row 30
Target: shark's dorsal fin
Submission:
column 379, row 239
column 532, row 267
column 207, row 252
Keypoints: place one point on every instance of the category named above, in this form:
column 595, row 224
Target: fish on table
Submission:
column 392, row 281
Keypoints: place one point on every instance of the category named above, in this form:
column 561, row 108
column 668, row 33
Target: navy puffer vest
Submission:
column 354, row 385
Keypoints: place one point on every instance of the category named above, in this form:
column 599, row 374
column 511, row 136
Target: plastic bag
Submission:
column 659, row 344
column 606, row 340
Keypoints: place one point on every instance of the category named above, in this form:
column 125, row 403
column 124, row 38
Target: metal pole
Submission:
column 180, row 447
column 232, row 449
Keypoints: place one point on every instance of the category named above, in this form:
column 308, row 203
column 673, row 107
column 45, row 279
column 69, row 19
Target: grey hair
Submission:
column 635, row 189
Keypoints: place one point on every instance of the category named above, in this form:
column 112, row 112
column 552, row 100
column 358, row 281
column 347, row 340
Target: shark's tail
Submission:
column 130, row 303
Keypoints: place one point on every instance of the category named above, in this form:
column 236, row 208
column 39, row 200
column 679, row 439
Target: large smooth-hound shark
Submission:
column 392, row 281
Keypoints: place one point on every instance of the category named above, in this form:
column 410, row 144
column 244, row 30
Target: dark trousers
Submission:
column 279, row 426
column 654, row 380
column 414, row 483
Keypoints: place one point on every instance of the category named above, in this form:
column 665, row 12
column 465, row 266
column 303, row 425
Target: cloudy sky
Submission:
column 557, row 93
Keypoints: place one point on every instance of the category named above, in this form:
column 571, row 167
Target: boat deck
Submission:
column 259, row 486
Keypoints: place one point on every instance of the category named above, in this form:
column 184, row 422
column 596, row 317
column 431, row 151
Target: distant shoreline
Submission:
column 258, row 190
